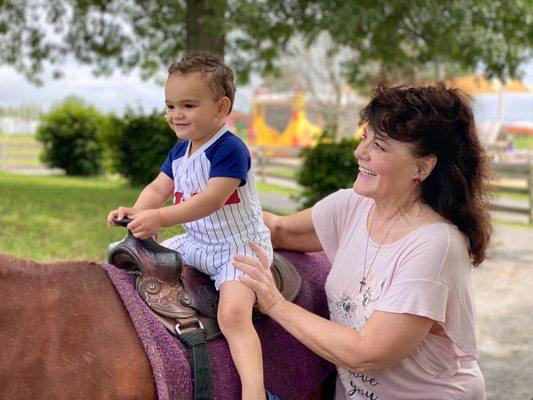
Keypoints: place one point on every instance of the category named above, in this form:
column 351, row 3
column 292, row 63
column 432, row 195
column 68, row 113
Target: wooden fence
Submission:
column 19, row 155
column 514, row 178
column 280, row 165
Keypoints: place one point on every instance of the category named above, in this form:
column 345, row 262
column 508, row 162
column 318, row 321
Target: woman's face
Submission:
column 386, row 167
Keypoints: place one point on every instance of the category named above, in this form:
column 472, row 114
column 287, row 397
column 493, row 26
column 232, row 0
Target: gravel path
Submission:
column 503, row 286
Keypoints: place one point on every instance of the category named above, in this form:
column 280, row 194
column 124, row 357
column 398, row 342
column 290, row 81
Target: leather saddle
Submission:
column 184, row 299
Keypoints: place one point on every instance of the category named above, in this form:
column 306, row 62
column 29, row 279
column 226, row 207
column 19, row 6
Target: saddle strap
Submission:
column 196, row 343
column 194, row 336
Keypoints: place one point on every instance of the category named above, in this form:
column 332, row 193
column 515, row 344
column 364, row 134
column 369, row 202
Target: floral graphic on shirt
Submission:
column 352, row 308
column 345, row 307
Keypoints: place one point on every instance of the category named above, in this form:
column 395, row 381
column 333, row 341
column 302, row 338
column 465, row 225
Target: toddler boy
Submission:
column 209, row 174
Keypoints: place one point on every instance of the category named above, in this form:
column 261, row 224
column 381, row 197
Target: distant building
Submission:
column 18, row 126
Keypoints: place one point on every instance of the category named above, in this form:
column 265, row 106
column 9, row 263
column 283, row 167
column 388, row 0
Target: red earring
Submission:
column 416, row 181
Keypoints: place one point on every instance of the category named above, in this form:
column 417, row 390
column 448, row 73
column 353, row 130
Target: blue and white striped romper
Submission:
column 210, row 243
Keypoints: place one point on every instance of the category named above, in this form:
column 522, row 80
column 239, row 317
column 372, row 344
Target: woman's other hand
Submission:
column 258, row 277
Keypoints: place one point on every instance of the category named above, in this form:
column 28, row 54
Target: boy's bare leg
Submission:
column 235, row 320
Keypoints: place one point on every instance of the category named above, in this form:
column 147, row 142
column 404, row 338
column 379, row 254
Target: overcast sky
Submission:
column 112, row 93
column 106, row 93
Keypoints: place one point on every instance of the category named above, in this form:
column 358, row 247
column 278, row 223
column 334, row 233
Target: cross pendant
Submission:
column 362, row 284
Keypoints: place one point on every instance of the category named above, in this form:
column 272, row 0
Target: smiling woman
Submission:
column 383, row 162
column 402, row 244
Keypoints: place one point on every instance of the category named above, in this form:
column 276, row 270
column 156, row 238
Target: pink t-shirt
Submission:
column 426, row 273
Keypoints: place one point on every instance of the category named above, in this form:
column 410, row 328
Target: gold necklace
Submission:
column 365, row 273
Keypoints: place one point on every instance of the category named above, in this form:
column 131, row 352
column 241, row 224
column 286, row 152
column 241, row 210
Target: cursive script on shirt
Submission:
column 368, row 380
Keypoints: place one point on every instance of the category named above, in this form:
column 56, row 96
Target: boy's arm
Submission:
column 153, row 195
column 216, row 193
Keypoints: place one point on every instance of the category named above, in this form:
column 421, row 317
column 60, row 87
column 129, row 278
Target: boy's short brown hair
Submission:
column 219, row 77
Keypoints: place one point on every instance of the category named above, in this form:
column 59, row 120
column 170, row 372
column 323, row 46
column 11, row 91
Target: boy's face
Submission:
column 193, row 112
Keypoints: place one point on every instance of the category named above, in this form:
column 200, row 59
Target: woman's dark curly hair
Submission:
column 439, row 121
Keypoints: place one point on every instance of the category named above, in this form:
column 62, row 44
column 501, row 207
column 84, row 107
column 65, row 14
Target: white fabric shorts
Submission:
column 214, row 260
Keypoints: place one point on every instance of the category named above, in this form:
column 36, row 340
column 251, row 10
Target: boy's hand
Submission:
column 120, row 213
column 145, row 223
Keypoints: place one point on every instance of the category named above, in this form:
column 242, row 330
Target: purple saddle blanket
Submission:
column 291, row 370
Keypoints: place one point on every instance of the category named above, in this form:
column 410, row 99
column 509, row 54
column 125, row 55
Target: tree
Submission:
column 400, row 36
column 126, row 34
column 70, row 137
column 386, row 36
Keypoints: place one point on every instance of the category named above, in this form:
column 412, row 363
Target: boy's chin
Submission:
column 181, row 135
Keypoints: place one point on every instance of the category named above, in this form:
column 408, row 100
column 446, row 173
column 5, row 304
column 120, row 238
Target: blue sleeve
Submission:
column 167, row 166
column 230, row 159
column 177, row 151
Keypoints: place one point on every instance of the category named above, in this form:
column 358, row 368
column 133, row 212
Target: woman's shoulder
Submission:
column 440, row 247
column 440, row 232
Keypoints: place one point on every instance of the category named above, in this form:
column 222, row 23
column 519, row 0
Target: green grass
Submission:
column 513, row 224
column 270, row 188
column 523, row 141
column 512, row 196
column 49, row 218
column 58, row 217
column 21, row 162
column 22, row 139
column 22, row 151
column 284, row 172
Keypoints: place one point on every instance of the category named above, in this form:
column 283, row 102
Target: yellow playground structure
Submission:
column 282, row 119
column 293, row 118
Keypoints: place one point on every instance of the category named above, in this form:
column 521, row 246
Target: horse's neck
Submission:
column 68, row 317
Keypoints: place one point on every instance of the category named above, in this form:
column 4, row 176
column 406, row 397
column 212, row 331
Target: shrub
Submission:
column 138, row 144
column 327, row 167
column 69, row 134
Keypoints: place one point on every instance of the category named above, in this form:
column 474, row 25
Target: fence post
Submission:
column 261, row 162
column 2, row 153
column 530, row 187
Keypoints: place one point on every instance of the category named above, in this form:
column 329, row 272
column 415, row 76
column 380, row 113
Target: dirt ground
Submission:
column 503, row 286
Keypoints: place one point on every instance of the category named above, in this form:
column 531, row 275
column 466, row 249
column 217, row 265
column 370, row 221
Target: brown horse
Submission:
column 65, row 334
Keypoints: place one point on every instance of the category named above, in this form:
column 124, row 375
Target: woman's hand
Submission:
column 258, row 277
column 145, row 223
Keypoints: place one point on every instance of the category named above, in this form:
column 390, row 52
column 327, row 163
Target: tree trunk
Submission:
column 205, row 24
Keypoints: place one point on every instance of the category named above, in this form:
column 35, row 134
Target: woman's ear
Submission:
column 224, row 106
column 426, row 165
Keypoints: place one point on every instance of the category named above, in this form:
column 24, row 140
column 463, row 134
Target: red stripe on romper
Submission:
column 233, row 199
